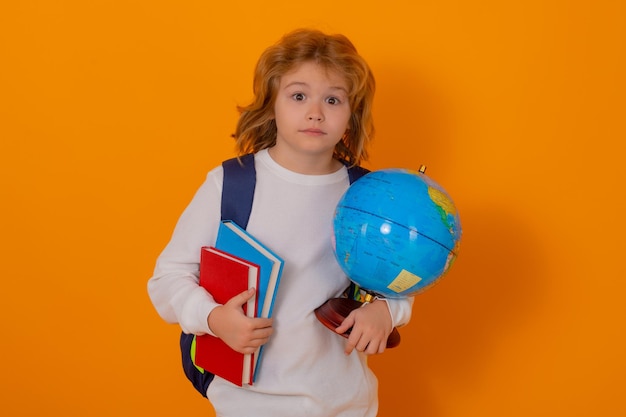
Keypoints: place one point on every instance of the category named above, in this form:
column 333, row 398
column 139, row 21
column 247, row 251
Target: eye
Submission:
column 333, row 100
column 298, row 96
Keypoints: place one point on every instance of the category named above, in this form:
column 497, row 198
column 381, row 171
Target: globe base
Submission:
column 333, row 312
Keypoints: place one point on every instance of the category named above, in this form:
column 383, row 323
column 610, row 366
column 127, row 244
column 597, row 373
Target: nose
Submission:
column 315, row 113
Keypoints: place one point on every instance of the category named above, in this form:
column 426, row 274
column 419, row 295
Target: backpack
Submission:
column 237, row 196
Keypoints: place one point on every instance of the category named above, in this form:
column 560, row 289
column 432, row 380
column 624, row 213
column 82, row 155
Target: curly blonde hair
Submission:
column 256, row 128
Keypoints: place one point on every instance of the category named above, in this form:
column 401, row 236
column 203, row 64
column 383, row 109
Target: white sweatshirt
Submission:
column 304, row 370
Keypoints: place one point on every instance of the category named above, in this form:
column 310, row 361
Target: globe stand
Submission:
column 333, row 312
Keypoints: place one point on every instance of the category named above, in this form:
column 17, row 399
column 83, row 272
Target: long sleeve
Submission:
column 173, row 288
column 400, row 310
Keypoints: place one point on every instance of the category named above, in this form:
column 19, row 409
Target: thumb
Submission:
column 242, row 298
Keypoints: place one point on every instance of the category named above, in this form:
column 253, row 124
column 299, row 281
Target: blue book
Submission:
column 234, row 240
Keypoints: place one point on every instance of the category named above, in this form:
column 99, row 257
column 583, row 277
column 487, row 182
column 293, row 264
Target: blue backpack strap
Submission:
column 238, row 189
column 356, row 172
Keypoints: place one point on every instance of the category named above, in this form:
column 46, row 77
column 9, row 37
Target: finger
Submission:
column 362, row 345
column 258, row 342
column 263, row 323
column 264, row 333
column 374, row 347
column 249, row 349
column 259, row 335
column 242, row 298
column 352, row 342
column 346, row 324
column 349, row 348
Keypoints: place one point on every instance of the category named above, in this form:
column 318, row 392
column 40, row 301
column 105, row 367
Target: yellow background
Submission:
column 112, row 112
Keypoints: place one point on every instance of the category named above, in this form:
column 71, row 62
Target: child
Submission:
column 312, row 108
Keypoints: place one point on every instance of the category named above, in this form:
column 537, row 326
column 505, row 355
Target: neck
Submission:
column 308, row 164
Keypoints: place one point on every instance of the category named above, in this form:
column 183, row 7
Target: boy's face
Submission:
column 312, row 112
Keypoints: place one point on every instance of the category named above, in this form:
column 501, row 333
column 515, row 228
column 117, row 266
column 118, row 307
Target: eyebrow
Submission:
column 303, row 84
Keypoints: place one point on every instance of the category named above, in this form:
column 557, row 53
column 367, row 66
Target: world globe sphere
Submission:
column 396, row 232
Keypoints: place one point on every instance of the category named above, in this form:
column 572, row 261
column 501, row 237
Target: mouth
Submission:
column 313, row 132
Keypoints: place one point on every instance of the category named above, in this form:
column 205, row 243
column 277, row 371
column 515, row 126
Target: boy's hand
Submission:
column 243, row 334
column 371, row 325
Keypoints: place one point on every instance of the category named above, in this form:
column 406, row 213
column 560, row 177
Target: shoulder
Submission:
column 215, row 175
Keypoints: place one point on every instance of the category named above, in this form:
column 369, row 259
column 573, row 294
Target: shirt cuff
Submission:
column 400, row 310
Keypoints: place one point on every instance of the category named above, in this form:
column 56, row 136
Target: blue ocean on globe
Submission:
column 396, row 232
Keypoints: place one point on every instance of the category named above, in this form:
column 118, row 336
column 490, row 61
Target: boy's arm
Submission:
column 173, row 288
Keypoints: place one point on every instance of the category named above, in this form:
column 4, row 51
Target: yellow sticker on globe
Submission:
column 403, row 281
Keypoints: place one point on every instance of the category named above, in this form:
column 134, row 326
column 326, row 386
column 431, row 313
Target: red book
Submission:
column 224, row 276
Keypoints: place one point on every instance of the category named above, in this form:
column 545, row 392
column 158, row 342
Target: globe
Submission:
column 396, row 232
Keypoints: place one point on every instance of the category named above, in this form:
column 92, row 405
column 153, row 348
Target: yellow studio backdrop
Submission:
column 112, row 112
